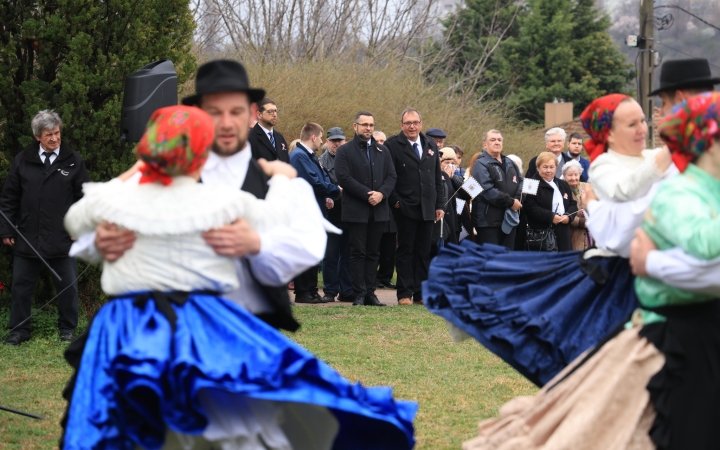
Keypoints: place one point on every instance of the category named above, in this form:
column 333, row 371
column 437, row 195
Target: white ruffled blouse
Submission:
column 169, row 252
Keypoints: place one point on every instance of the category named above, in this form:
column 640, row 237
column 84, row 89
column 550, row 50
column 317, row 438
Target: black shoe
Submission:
column 372, row 300
column 67, row 336
column 359, row 301
column 386, row 284
column 329, row 298
column 308, row 298
column 346, row 298
column 16, row 339
column 320, row 299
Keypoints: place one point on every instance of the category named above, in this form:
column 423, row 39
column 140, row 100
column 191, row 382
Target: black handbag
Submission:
column 541, row 240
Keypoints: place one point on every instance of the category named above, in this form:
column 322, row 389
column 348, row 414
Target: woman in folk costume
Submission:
column 168, row 363
column 656, row 383
column 538, row 311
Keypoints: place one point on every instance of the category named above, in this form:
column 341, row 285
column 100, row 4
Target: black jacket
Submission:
column 539, row 212
column 419, row 187
column 262, row 148
column 357, row 177
column 37, row 201
column 451, row 223
column 327, row 162
column 532, row 166
column 502, row 185
column 256, row 183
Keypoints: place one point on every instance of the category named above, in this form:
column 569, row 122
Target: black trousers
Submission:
column 412, row 260
column 26, row 272
column 495, row 235
column 364, row 248
column 386, row 258
column 306, row 282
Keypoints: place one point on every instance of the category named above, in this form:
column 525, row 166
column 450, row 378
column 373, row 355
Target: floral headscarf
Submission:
column 597, row 121
column 691, row 128
column 176, row 142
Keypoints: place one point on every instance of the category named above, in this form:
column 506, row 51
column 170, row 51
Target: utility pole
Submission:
column 646, row 45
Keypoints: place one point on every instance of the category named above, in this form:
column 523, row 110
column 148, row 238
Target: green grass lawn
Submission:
column 404, row 347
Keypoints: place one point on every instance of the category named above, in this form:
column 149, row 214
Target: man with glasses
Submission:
column 418, row 201
column 367, row 175
column 265, row 141
column 554, row 143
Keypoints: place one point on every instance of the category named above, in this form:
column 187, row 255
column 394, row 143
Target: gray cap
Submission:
column 512, row 219
column 335, row 133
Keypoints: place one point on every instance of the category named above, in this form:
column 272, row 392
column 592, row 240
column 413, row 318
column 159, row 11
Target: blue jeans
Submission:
column 336, row 265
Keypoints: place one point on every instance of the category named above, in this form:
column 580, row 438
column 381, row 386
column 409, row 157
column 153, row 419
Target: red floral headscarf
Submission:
column 176, row 142
column 597, row 121
column 691, row 128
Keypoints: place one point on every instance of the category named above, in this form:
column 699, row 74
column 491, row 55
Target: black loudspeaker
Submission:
column 150, row 88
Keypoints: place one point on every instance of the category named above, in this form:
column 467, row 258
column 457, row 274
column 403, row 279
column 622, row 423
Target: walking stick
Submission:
column 30, row 245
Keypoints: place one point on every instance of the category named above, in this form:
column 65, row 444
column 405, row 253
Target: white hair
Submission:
column 518, row 162
column 572, row 165
column 553, row 131
column 46, row 119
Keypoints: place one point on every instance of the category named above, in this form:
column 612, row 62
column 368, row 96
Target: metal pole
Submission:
column 30, row 245
column 22, row 413
column 647, row 66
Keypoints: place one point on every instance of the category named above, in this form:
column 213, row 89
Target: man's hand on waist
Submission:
column 237, row 239
column 113, row 242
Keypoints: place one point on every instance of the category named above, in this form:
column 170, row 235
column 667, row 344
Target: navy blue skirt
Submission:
column 147, row 357
column 538, row 311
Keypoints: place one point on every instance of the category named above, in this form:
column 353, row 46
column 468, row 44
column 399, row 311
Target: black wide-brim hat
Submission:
column 222, row 75
column 684, row 74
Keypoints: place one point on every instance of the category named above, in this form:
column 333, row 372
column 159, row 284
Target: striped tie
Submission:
column 272, row 138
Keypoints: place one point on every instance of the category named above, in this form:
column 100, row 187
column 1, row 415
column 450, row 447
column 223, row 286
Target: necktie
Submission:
column 367, row 150
column 47, row 160
column 417, row 149
column 272, row 138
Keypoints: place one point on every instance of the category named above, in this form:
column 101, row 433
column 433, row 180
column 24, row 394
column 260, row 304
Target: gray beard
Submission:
column 218, row 151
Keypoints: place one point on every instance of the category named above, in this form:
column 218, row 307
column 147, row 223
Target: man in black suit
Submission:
column 265, row 263
column 265, row 142
column 366, row 173
column 418, row 201
column 554, row 143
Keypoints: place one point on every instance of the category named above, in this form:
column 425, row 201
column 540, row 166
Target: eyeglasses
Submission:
column 273, row 112
column 365, row 125
column 412, row 124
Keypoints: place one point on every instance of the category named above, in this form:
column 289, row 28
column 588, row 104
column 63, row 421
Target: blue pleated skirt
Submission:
column 538, row 311
column 146, row 361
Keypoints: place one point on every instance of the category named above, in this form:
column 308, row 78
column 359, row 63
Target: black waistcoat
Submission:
column 256, row 183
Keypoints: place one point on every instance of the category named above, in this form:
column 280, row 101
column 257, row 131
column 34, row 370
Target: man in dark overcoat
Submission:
column 366, row 173
column 44, row 180
column 418, row 201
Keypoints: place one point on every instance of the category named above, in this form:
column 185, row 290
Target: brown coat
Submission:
column 578, row 231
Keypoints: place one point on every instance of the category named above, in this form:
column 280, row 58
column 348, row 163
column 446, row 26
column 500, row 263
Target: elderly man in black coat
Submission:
column 44, row 180
column 418, row 201
column 366, row 173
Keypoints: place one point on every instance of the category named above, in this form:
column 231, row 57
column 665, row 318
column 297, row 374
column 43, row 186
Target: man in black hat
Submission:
column 265, row 141
column 683, row 78
column 266, row 262
column 438, row 136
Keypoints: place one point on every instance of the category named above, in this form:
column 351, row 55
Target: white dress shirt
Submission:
column 53, row 156
column 267, row 132
column 285, row 250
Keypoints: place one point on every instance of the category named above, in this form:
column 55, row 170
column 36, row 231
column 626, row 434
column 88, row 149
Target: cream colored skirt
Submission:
column 603, row 405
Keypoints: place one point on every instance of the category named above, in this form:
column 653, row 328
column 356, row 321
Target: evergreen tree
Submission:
column 563, row 50
column 73, row 56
